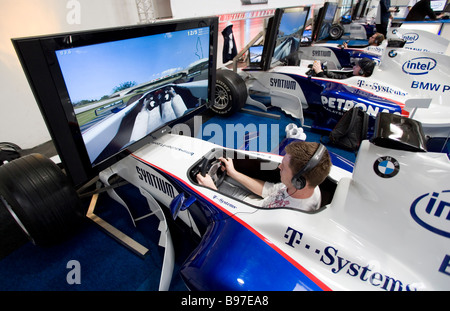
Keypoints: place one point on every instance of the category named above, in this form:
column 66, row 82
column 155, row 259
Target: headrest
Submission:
column 399, row 132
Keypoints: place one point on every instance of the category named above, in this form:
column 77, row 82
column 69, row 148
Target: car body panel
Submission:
column 367, row 238
column 400, row 84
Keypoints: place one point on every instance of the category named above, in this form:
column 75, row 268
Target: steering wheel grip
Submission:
column 205, row 167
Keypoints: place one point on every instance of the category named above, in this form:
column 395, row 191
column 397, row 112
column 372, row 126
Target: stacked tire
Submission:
column 40, row 198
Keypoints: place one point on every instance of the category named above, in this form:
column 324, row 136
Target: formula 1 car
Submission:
column 419, row 40
column 404, row 82
column 415, row 40
column 383, row 226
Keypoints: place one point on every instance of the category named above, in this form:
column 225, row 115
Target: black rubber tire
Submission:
column 231, row 93
column 40, row 198
column 336, row 31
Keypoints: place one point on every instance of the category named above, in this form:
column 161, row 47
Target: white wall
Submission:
column 20, row 119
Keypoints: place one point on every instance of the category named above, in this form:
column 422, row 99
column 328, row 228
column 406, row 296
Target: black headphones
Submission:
column 367, row 65
column 299, row 181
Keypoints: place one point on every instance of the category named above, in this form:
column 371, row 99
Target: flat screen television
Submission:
column 324, row 21
column 438, row 6
column 255, row 54
column 357, row 10
column 364, row 9
column 106, row 93
column 283, row 35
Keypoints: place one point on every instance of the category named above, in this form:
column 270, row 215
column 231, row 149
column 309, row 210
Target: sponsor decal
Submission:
column 432, row 211
column 341, row 105
column 410, row 37
column 379, row 88
column 445, row 265
column 283, row 84
column 155, row 182
column 223, row 202
column 337, row 263
column 430, row 86
column 321, row 53
column 375, row 49
column 386, row 167
column 392, row 53
column 421, row 49
column 419, row 65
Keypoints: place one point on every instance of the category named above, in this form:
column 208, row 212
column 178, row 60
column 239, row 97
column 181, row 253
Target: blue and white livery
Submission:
column 404, row 82
column 383, row 225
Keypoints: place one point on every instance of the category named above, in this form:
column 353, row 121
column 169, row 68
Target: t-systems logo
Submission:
column 419, row 65
column 410, row 37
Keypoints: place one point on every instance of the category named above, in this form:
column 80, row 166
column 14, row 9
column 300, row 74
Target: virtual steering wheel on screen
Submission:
column 215, row 169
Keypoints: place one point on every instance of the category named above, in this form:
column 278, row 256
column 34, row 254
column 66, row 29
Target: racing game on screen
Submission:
column 327, row 21
column 123, row 90
column 290, row 33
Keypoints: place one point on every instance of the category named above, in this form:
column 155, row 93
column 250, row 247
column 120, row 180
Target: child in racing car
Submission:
column 363, row 68
column 285, row 193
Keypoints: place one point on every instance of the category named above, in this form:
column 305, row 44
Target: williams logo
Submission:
column 386, row 167
column 410, row 37
column 432, row 211
column 419, row 66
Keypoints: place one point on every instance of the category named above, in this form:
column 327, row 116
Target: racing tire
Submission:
column 336, row 31
column 230, row 94
column 40, row 198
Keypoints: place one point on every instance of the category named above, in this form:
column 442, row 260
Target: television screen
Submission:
column 284, row 34
column 255, row 54
column 290, row 32
column 106, row 93
column 438, row 5
column 325, row 23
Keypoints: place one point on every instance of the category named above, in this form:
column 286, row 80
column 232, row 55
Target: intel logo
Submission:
column 419, row 66
column 432, row 211
column 410, row 37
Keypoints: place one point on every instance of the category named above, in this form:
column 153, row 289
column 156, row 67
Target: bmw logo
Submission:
column 386, row 167
column 392, row 53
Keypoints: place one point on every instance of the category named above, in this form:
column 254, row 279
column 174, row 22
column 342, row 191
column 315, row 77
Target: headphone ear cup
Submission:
column 299, row 182
column 361, row 72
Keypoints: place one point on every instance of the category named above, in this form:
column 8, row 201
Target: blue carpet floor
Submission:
column 105, row 265
column 266, row 133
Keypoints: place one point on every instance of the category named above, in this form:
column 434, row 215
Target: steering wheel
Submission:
column 312, row 73
column 213, row 167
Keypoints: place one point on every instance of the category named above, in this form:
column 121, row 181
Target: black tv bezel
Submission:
column 364, row 9
column 270, row 38
column 38, row 59
column 319, row 21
